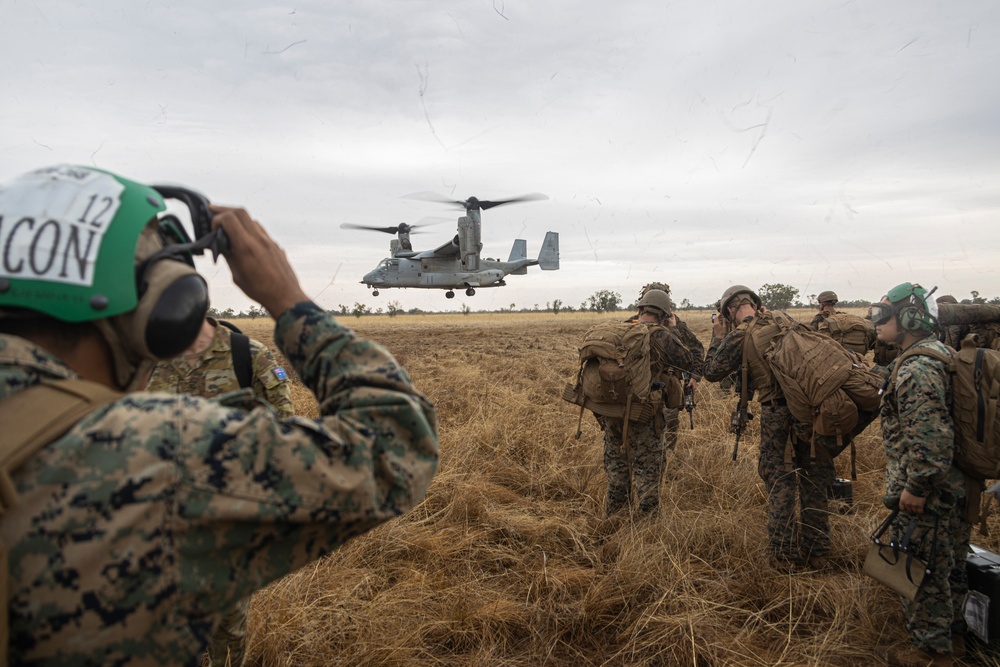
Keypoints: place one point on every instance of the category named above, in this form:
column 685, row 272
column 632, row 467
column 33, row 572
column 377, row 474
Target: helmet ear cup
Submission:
column 913, row 320
column 177, row 317
column 172, row 306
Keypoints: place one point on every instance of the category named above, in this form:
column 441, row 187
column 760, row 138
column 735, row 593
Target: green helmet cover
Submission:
column 68, row 238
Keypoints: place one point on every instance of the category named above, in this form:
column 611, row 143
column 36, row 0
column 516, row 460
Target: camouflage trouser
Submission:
column 937, row 612
column 671, row 422
column 645, row 451
column 228, row 642
column 789, row 539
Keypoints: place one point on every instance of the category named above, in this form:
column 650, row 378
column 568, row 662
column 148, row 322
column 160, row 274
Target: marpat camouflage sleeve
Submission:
column 156, row 513
column 691, row 342
column 724, row 356
column 926, row 431
column 672, row 350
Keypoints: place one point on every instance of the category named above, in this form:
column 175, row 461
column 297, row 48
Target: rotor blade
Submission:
column 534, row 196
column 387, row 230
column 433, row 197
column 472, row 202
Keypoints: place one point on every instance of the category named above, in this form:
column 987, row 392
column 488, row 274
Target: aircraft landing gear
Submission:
column 449, row 294
column 374, row 292
column 470, row 292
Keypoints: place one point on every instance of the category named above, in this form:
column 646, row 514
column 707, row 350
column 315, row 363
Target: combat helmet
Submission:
column 648, row 286
column 656, row 298
column 827, row 296
column 745, row 294
column 86, row 245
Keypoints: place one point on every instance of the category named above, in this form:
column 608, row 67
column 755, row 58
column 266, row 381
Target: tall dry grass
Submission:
column 509, row 560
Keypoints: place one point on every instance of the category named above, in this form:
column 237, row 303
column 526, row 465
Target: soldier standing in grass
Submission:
column 784, row 473
column 921, row 477
column 827, row 307
column 133, row 521
column 674, row 385
column 641, row 459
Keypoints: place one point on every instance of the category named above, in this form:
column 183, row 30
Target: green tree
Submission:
column 227, row 313
column 604, row 301
column 556, row 306
column 256, row 311
column 393, row 308
column 466, row 310
column 776, row 295
column 360, row 309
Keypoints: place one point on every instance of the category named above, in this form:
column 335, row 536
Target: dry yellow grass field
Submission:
column 509, row 560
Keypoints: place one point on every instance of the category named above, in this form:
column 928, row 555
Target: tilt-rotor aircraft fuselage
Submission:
column 456, row 264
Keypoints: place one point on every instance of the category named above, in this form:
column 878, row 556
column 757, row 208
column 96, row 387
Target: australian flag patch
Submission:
column 280, row 373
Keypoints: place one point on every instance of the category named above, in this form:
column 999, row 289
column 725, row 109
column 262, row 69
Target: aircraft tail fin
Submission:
column 517, row 252
column 548, row 256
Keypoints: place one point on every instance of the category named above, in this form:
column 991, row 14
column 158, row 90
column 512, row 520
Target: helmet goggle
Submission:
column 177, row 243
column 882, row 313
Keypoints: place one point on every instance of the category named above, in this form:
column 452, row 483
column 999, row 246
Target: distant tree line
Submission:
column 774, row 295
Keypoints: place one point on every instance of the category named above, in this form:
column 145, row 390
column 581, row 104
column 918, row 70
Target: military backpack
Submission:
column 975, row 373
column 855, row 333
column 826, row 386
column 615, row 378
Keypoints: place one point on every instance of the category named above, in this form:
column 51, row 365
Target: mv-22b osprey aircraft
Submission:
column 456, row 264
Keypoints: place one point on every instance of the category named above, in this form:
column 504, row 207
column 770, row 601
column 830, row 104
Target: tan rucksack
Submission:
column 825, row 385
column 853, row 332
column 32, row 419
column 975, row 409
column 615, row 377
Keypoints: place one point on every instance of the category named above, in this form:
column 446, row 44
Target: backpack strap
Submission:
column 242, row 362
column 944, row 357
column 32, row 419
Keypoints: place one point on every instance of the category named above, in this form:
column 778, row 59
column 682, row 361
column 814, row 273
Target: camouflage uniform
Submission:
column 671, row 416
column 155, row 514
column 785, row 465
column 645, row 443
column 211, row 373
column 919, row 442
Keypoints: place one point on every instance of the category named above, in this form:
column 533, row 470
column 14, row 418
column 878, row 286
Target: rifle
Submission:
column 741, row 415
column 688, row 397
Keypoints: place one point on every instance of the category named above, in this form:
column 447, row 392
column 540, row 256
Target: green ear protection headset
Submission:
column 917, row 312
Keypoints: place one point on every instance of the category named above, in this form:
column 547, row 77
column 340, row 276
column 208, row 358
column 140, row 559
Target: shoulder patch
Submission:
column 280, row 373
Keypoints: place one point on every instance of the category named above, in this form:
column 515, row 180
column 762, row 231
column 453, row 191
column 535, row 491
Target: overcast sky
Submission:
column 826, row 145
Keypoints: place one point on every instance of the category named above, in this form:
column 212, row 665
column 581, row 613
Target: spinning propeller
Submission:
column 401, row 228
column 473, row 203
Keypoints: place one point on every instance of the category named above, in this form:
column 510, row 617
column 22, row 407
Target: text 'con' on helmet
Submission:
column 85, row 245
